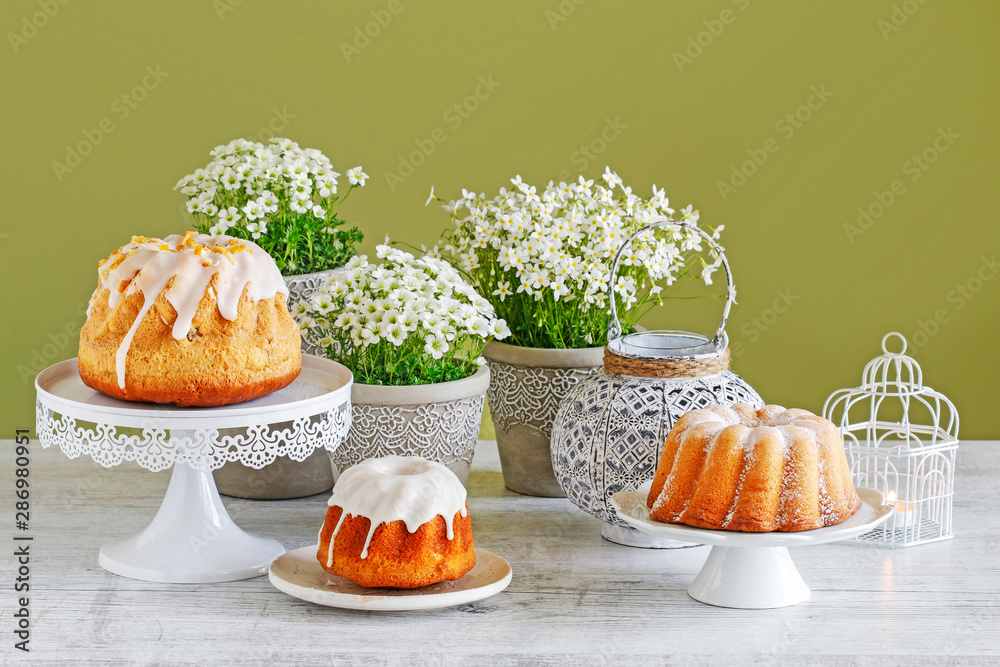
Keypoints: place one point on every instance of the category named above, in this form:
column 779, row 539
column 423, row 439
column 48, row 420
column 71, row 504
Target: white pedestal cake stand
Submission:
column 751, row 570
column 192, row 539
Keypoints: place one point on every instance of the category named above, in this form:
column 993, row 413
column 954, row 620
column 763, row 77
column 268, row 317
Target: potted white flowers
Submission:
column 284, row 198
column 412, row 332
column 543, row 261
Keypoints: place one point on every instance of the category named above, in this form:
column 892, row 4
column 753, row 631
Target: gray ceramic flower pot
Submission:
column 439, row 422
column 284, row 478
column 526, row 387
column 301, row 288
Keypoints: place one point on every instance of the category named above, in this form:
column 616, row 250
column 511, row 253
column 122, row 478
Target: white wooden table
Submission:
column 574, row 599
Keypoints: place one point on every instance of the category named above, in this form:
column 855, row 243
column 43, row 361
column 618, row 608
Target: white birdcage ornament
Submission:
column 901, row 438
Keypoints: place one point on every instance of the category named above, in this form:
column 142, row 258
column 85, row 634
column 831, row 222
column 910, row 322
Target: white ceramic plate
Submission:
column 631, row 507
column 322, row 384
column 299, row 574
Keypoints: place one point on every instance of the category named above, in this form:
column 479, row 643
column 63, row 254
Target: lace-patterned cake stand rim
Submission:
column 192, row 539
column 752, row 570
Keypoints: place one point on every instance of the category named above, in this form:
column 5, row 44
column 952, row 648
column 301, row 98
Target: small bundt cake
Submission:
column 397, row 522
column 193, row 320
column 752, row 470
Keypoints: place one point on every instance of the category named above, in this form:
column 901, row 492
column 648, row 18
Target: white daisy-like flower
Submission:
column 503, row 290
column 268, row 201
column 435, row 345
column 356, row 176
column 252, row 210
column 611, row 178
column 229, row 216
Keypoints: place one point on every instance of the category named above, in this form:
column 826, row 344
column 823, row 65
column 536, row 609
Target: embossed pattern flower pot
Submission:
column 301, row 288
column 439, row 422
column 285, row 478
column 526, row 387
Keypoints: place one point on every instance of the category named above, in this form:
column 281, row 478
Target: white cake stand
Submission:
column 751, row 570
column 192, row 539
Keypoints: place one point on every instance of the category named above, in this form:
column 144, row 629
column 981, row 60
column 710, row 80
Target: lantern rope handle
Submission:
column 615, row 327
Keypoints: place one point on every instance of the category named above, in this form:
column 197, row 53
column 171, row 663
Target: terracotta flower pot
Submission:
column 284, row 478
column 527, row 385
column 439, row 422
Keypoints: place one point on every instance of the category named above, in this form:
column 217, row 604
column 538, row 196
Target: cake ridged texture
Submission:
column 396, row 557
column 397, row 522
column 192, row 320
column 752, row 470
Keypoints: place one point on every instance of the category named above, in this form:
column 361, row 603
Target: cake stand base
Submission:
column 191, row 539
column 630, row 537
column 751, row 570
column 749, row 578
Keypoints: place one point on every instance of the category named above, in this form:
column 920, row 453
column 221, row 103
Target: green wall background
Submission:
column 896, row 76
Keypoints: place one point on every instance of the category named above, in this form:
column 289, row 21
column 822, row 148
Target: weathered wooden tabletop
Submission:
column 574, row 599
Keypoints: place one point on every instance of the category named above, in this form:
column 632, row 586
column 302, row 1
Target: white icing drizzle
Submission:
column 146, row 266
column 397, row 488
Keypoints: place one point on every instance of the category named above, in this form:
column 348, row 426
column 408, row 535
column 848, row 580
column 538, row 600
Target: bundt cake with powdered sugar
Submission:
column 194, row 320
column 753, row 470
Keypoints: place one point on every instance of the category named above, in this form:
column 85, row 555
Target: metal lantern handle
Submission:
column 614, row 326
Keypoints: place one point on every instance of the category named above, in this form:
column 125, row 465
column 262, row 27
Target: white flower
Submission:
column 256, row 229
column 418, row 306
column 327, row 189
column 435, row 345
column 246, row 182
column 430, row 197
column 554, row 248
column 230, row 216
column 268, row 201
column 230, row 179
column 499, row 329
column 690, row 215
column 611, row 178
column 356, row 177
column 503, row 290
column 396, row 334
column 253, row 210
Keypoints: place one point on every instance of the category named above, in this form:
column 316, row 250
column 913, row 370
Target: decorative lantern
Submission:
column 901, row 438
column 611, row 427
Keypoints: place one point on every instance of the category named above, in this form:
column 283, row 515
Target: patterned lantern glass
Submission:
column 901, row 438
column 611, row 427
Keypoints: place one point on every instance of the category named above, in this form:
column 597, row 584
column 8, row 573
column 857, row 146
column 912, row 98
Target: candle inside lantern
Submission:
column 906, row 513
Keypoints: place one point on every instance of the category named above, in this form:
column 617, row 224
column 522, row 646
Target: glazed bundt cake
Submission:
column 397, row 522
column 193, row 320
column 752, row 470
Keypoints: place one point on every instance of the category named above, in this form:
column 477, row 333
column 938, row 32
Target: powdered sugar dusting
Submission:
column 804, row 442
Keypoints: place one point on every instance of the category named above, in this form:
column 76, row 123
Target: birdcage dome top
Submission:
column 892, row 403
column 892, row 372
